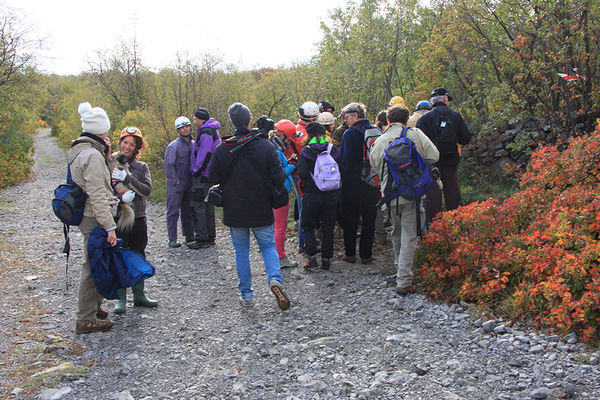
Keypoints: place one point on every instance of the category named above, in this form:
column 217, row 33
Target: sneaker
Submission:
column 282, row 300
column 173, row 244
column 100, row 325
column 286, row 263
column 247, row 302
column 366, row 260
column 311, row 264
column 325, row 263
column 101, row 313
column 350, row 259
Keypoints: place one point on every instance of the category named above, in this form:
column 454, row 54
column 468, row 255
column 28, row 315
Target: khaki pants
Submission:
column 88, row 298
column 404, row 241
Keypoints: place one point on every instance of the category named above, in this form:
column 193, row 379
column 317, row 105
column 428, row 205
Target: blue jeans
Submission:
column 295, row 178
column 240, row 237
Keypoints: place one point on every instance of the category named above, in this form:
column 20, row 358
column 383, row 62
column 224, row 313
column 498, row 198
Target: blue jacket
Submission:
column 115, row 267
column 289, row 169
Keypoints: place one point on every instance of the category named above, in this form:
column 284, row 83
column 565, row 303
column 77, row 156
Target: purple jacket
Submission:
column 207, row 141
column 177, row 163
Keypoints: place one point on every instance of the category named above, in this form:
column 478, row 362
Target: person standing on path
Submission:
column 446, row 129
column 246, row 166
column 179, row 193
column 135, row 175
column 280, row 214
column 203, row 213
column 402, row 212
column 319, row 203
column 88, row 162
column 358, row 198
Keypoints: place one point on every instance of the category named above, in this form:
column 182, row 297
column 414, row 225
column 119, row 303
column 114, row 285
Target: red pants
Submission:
column 280, row 228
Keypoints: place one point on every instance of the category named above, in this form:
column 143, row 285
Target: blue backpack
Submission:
column 409, row 175
column 68, row 204
column 69, row 201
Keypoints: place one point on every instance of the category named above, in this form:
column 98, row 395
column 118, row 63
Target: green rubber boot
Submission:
column 122, row 302
column 139, row 298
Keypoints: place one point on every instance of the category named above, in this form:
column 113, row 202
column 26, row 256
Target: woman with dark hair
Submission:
column 318, row 206
column 135, row 175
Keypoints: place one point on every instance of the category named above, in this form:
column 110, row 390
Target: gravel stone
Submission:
column 346, row 336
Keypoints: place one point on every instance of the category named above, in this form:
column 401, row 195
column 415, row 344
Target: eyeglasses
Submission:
column 345, row 114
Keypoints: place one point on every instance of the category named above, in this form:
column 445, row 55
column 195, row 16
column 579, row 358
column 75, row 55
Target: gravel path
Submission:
column 347, row 334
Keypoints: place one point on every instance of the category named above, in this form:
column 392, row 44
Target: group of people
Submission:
column 337, row 175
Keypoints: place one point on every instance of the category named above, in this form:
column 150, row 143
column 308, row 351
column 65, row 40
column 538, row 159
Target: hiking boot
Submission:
column 101, row 313
column 282, row 300
column 404, row 290
column 198, row 244
column 349, row 259
column 325, row 264
column 286, row 263
column 311, row 264
column 139, row 297
column 366, row 260
column 247, row 302
column 190, row 239
column 100, row 325
column 173, row 244
column 122, row 302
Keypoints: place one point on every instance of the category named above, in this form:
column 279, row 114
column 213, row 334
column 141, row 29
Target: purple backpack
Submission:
column 327, row 172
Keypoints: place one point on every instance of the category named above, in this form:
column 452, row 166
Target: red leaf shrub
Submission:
column 537, row 254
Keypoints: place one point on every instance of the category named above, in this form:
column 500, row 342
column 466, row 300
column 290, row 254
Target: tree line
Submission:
column 499, row 59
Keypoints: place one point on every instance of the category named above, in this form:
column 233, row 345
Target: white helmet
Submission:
column 181, row 122
column 326, row 118
column 309, row 110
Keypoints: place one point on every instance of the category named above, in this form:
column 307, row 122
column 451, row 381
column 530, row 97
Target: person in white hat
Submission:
column 89, row 169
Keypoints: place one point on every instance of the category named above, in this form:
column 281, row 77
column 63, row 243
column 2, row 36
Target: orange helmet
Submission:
column 287, row 127
column 130, row 131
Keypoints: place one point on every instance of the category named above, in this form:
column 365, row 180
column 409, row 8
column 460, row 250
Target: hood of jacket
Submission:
column 83, row 143
column 211, row 123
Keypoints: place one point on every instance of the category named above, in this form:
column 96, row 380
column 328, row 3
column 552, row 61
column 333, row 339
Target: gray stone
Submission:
column 500, row 329
column 537, row 349
column 447, row 382
column 489, row 326
column 541, row 393
column 54, row 394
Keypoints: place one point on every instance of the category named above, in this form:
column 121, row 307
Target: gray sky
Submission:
column 258, row 33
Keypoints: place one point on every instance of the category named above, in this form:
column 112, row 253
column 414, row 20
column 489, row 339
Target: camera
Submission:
column 264, row 125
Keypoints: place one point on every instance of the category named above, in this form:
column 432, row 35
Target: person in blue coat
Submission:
column 179, row 182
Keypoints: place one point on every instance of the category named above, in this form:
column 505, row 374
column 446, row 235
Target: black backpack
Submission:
column 444, row 135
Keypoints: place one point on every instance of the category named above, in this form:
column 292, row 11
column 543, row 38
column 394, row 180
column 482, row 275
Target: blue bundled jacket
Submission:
column 115, row 267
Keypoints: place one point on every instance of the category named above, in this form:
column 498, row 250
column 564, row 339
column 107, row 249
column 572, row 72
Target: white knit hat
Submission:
column 93, row 120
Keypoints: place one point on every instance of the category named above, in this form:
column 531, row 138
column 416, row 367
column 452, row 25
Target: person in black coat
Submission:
column 246, row 166
column 318, row 207
column 446, row 129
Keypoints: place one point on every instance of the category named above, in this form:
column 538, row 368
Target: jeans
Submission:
column 295, row 178
column 240, row 237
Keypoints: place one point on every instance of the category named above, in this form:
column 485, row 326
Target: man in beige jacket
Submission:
column 403, row 212
column 89, row 169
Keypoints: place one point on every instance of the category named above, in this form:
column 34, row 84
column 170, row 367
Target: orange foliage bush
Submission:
column 537, row 254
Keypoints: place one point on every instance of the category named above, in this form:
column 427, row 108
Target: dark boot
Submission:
column 139, row 298
column 122, row 302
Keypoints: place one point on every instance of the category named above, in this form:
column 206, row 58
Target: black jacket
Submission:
column 445, row 139
column 246, row 191
column 306, row 165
